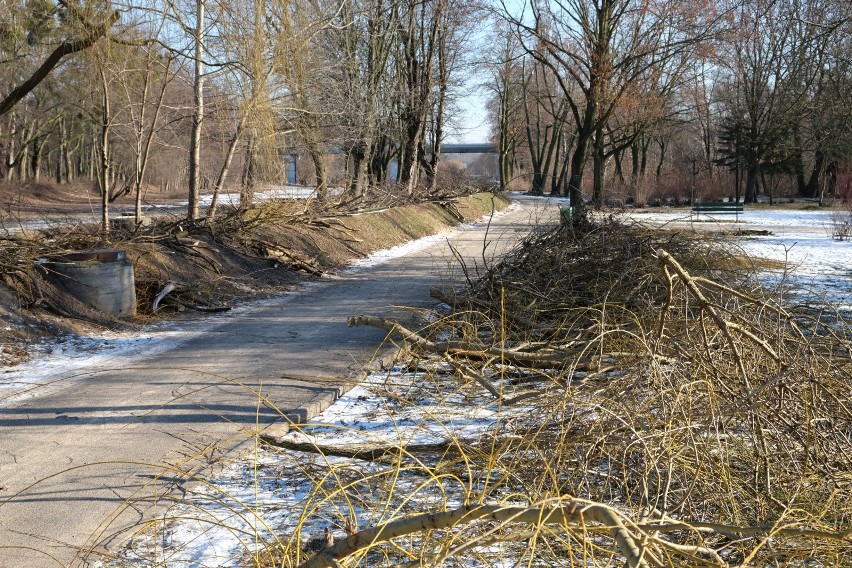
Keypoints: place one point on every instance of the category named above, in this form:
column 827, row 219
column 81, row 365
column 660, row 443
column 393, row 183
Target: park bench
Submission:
column 718, row 208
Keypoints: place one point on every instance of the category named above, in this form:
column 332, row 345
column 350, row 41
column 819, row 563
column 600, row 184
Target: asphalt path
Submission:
column 87, row 456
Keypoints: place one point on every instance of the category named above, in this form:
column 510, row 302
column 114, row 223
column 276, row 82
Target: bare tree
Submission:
column 81, row 27
column 774, row 58
column 505, row 103
column 420, row 24
column 298, row 38
column 362, row 49
column 545, row 111
column 597, row 51
column 192, row 208
column 144, row 90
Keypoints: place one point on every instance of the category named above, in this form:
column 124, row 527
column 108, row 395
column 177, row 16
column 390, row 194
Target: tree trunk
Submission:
column 503, row 146
column 813, row 185
column 751, row 183
column 23, row 160
column 381, row 155
column 504, row 162
column 555, row 178
column 598, row 167
column 659, row 172
column 62, row 161
column 360, row 159
column 315, row 152
column 538, row 180
column 798, row 161
column 93, row 156
column 38, row 156
column 561, row 186
column 143, row 143
column 438, row 130
column 831, row 182
column 67, row 158
column 226, row 165
column 409, row 167
column 197, row 116
column 247, row 185
column 578, row 165
column 634, row 162
column 618, row 156
column 10, row 157
column 770, row 190
column 104, row 172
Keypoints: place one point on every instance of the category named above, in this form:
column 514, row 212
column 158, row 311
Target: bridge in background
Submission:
column 460, row 148
column 474, row 148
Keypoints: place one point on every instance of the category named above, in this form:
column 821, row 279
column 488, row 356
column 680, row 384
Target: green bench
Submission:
column 719, row 208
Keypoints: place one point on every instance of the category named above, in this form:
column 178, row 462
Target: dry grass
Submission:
column 671, row 413
column 641, row 401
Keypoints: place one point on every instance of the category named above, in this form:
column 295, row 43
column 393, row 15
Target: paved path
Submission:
column 86, row 454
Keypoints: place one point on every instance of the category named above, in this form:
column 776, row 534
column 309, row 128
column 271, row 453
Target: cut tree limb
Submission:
column 211, row 309
column 465, row 348
column 295, row 259
column 570, row 513
column 365, row 452
column 169, row 287
column 480, row 351
column 706, row 305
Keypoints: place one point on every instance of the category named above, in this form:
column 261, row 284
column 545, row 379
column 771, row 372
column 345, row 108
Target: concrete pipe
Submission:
column 101, row 279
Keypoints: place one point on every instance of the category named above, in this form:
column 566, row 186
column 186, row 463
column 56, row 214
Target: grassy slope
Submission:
column 225, row 264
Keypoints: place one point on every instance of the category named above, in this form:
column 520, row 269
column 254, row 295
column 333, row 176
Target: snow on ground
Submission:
column 398, row 251
column 409, row 247
column 264, row 499
column 60, row 359
column 782, row 221
column 276, row 192
column 817, row 263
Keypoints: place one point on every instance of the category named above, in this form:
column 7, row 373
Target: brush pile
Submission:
column 673, row 412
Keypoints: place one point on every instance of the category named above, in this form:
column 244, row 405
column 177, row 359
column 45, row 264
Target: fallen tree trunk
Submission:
column 366, row 452
column 296, row 260
column 571, row 513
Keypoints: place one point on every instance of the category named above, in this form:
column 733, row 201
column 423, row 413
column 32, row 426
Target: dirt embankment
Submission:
column 243, row 255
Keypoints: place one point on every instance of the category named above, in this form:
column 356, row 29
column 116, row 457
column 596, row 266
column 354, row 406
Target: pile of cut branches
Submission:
column 658, row 381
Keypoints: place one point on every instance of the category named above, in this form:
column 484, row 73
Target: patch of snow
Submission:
column 69, row 357
column 778, row 220
column 416, row 245
column 277, row 192
column 382, row 256
column 817, row 265
column 268, row 496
